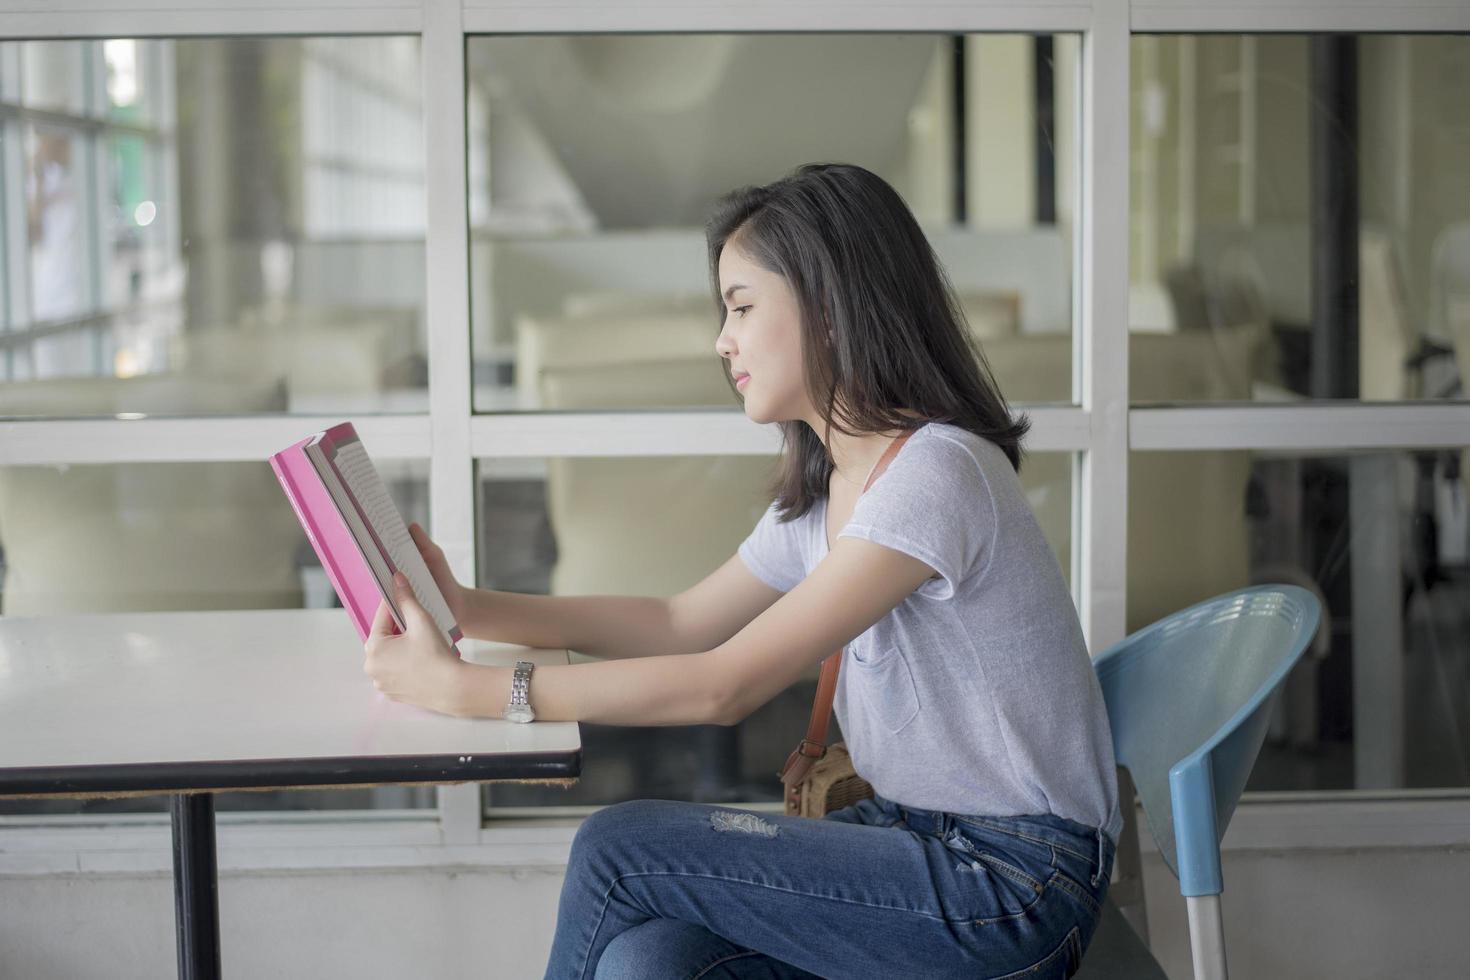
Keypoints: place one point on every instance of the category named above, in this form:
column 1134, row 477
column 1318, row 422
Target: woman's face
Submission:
column 762, row 338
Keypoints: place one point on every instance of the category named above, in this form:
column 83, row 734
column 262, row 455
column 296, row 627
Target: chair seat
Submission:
column 1116, row 952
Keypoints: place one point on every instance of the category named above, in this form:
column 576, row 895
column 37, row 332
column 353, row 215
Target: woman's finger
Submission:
column 382, row 621
column 422, row 542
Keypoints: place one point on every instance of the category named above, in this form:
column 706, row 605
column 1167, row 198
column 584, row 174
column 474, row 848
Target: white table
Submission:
column 199, row 702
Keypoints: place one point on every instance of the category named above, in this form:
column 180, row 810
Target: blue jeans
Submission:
column 659, row 890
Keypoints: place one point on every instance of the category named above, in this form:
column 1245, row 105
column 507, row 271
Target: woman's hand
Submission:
column 415, row 666
column 433, row 555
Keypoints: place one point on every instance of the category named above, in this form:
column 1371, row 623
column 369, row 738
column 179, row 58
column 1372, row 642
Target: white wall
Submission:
column 441, row 923
column 1352, row 913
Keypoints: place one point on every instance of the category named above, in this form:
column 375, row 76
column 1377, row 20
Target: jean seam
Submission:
column 601, row 916
column 1074, row 888
column 1011, row 871
column 1026, row 837
column 723, row 959
column 938, row 917
column 1069, row 942
column 1020, row 914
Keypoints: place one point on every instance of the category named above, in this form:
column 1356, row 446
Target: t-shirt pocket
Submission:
column 887, row 687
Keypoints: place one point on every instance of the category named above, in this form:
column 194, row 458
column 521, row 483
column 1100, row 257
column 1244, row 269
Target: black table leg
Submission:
column 196, row 886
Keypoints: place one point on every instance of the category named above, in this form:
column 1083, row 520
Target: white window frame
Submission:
column 1100, row 429
column 93, row 127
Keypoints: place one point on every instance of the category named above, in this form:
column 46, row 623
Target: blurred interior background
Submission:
column 236, row 226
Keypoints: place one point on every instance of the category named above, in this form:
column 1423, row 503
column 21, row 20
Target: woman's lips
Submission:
column 741, row 382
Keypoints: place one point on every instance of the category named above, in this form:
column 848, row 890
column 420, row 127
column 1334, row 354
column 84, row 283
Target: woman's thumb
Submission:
column 427, row 549
column 407, row 601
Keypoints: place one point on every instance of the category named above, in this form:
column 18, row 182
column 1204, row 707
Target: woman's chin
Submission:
column 754, row 413
column 766, row 418
column 764, row 414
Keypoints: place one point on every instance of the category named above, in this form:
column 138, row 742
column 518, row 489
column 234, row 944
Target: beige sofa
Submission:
column 654, row 525
column 145, row 536
column 317, row 350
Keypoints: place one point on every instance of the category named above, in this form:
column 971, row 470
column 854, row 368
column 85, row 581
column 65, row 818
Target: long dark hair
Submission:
column 881, row 328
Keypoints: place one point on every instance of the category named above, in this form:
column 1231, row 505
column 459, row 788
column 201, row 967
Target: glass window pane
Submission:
column 158, row 537
column 164, row 537
column 133, row 89
column 54, row 74
column 608, row 526
column 134, row 235
column 594, row 162
column 1300, row 217
column 56, row 216
column 1379, row 701
column 248, row 209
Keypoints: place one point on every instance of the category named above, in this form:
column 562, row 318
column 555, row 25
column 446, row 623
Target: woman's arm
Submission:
column 603, row 626
column 857, row 584
column 617, row 627
column 418, row 666
column 673, row 690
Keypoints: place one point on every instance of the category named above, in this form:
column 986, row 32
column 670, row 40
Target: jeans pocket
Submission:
column 1062, row 961
column 1023, row 887
column 1078, row 892
column 887, row 687
column 1018, row 875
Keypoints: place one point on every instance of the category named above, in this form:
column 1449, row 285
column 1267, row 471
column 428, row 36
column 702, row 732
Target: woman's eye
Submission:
column 741, row 310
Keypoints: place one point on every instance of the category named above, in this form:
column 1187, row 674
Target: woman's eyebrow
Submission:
column 732, row 288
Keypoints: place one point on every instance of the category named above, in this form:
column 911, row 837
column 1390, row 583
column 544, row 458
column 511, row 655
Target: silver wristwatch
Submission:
column 519, row 708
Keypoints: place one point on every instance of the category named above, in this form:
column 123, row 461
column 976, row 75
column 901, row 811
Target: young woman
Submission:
column 966, row 695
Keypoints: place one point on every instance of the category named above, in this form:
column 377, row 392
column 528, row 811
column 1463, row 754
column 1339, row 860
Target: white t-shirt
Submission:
column 975, row 695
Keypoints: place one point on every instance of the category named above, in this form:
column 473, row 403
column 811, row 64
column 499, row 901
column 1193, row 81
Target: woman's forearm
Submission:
column 686, row 689
column 609, row 627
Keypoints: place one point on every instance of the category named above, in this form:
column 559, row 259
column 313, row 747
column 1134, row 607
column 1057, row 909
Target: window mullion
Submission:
column 1101, row 342
column 446, row 312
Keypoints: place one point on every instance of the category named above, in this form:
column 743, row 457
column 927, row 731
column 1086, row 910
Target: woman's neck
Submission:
column 856, row 455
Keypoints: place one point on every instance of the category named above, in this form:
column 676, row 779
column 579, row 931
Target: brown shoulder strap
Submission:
column 814, row 746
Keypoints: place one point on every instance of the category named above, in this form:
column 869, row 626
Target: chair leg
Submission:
column 1206, row 937
column 1126, row 888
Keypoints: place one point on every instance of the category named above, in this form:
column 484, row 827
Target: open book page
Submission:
column 376, row 561
column 381, row 514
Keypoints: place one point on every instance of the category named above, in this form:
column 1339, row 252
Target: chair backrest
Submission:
column 603, row 510
column 1386, row 335
column 551, row 343
column 592, row 303
column 1449, row 296
column 1189, row 701
column 149, row 394
column 333, row 355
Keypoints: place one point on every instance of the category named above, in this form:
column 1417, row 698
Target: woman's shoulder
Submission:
column 945, row 444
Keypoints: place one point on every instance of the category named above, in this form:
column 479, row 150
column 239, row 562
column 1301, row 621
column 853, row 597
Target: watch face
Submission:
column 519, row 713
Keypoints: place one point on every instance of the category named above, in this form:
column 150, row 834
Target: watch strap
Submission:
column 520, row 683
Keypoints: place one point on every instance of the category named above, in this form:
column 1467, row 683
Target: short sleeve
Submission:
column 935, row 504
column 772, row 551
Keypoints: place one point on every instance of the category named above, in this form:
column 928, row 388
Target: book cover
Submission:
column 355, row 529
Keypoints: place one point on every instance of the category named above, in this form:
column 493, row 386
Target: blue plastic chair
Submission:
column 1189, row 699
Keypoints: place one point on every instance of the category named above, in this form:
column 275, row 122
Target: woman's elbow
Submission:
column 729, row 712
column 725, row 701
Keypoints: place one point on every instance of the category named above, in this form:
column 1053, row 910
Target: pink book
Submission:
column 356, row 529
